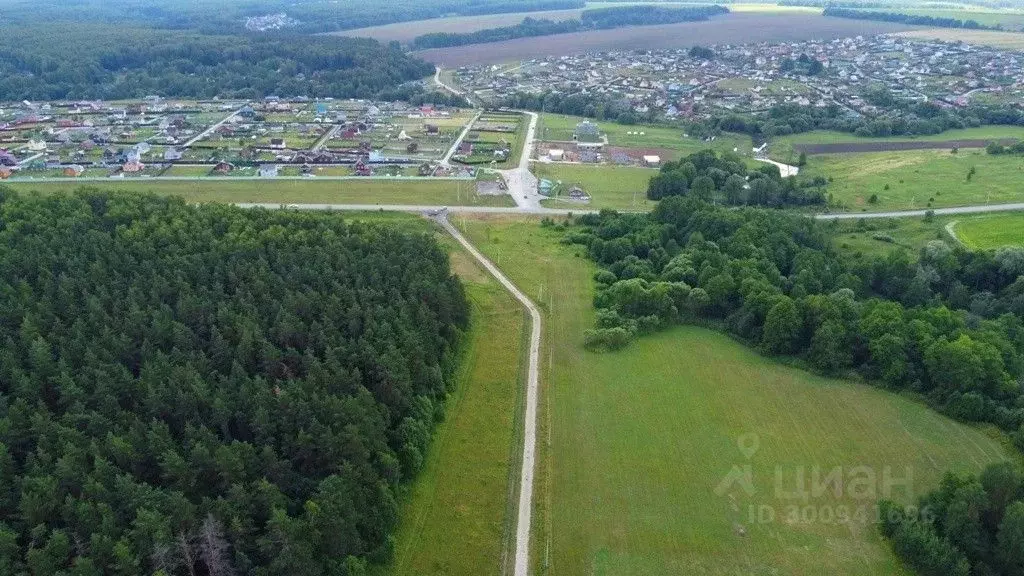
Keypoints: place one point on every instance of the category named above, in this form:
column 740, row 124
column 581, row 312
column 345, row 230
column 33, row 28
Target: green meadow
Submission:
column 991, row 231
column 457, row 516
column 615, row 187
column 637, row 445
column 919, row 179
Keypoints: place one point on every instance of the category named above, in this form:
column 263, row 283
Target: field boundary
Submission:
column 897, row 145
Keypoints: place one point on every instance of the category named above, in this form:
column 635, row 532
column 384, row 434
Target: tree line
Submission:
column 77, row 61
column 228, row 17
column 902, row 18
column 204, row 390
column 949, row 326
column 725, row 179
column 969, row 525
column 593, row 19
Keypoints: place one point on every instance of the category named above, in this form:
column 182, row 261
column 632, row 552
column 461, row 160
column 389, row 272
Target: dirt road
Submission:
column 522, row 564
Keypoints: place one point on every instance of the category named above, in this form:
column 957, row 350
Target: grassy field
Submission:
column 991, row 231
column 405, row 32
column 880, row 236
column 781, row 148
column 635, row 443
column 1009, row 19
column 616, row 187
column 311, row 191
column 1006, row 40
column 561, row 127
column 470, row 471
column 919, row 179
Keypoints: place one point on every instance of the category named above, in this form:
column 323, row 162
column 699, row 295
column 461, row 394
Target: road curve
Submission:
column 522, row 566
column 978, row 209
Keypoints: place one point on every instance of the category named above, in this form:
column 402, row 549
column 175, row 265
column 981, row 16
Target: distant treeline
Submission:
column 910, row 19
column 228, row 16
column 599, row 19
column 73, row 61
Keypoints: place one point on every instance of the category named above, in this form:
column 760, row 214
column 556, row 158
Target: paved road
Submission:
column 522, row 566
column 437, row 80
column 522, row 184
column 415, row 208
column 462, row 135
column 562, row 211
column 937, row 211
column 785, row 170
column 210, row 130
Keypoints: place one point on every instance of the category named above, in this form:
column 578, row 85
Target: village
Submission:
column 694, row 84
column 272, row 138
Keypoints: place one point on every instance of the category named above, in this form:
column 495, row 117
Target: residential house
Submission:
column 223, row 167
column 132, row 167
column 268, row 171
column 171, row 154
column 278, row 143
column 73, row 171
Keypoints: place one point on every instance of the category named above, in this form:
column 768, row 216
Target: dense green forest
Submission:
column 204, row 390
column 949, row 326
column 229, row 16
column 725, row 179
column 100, row 61
column 902, row 18
column 970, row 525
column 595, row 19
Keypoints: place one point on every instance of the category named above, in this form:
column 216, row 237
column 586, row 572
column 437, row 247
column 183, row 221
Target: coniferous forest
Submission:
column 202, row 390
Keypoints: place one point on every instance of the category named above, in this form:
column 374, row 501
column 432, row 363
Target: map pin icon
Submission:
column 748, row 444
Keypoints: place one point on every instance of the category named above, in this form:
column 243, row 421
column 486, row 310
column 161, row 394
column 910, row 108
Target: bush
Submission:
column 608, row 339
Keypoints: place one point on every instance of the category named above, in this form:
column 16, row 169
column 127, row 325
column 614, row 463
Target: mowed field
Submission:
column 733, row 28
column 1005, row 40
column 919, row 179
column 307, row 191
column 614, row 187
column 457, row 517
column 991, row 231
column 636, row 444
column 404, row 32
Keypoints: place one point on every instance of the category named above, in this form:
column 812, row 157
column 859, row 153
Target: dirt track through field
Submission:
column 525, row 511
column 895, row 146
column 734, row 28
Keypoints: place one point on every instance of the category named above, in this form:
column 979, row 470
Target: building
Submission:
column 278, row 143
column 73, row 171
column 652, row 161
column 556, row 154
column 268, row 171
column 576, row 193
column 587, row 132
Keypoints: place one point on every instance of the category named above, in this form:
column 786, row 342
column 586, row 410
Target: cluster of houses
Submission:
column 671, row 84
column 151, row 135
